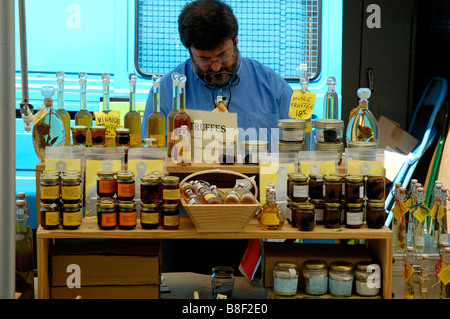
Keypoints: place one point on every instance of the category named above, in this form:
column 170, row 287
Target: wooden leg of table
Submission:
column 42, row 247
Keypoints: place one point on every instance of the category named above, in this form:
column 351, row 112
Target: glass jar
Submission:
column 170, row 189
column 305, row 216
column 222, row 282
column 332, row 215
column 354, row 189
column 354, row 215
column 49, row 188
column 72, row 216
column 365, row 283
column 50, row 215
column 376, row 187
column 125, row 186
column 294, row 212
column 70, row 189
column 252, row 151
column 315, row 274
column 375, row 214
column 228, row 152
column 106, row 184
column 342, row 176
column 79, row 135
column 292, row 130
column 98, row 134
column 329, row 130
column 170, row 216
column 150, row 190
column 332, row 189
column 337, row 147
column 340, row 281
column 291, row 147
column 318, row 209
column 315, row 190
column 127, row 212
column 107, row 215
column 285, row 278
column 150, row 216
column 122, row 137
column 298, row 188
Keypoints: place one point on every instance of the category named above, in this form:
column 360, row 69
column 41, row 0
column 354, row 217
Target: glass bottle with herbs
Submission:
column 399, row 221
column 181, row 119
column 408, row 272
column 424, row 279
column 132, row 119
column 419, row 222
column 110, row 134
column 63, row 114
column 83, row 116
column 175, row 109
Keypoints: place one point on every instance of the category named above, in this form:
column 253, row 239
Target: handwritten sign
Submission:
column 302, row 104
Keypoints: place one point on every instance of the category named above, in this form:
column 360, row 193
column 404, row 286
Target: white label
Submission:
column 419, row 241
column 355, row 218
column 361, row 191
column 319, row 214
column 300, row 191
column 292, row 135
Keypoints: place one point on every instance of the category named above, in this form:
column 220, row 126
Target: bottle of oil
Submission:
column 133, row 119
column 84, row 117
column 157, row 121
column 110, row 135
column 182, row 118
column 175, row 109
column 63, row 114
column 271, row 216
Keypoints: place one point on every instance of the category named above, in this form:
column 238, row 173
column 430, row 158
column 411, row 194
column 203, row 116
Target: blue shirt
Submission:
column 261, row 98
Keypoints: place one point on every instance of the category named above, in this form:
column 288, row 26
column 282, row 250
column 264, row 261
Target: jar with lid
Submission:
column 291, row 147
column 329, row 147
column 376, row 186
column 285, row 278
column 315, row 183
column 340, row 281
column 329, row 130
column 170, row 216
column 298, row 187
column 222, row 282
column 72, row 216
column 125, row 186
column 354, row 215
column 332, row 189
column 354, row 189
column 122, row 137
column 170, row 189
column 150, row 190
column 127, row 212
column 332, row 215
column 367, row 272
column 79, row 135
column 253, row 151
column 150, row 214
column 292, row 130
column 107, row 215
column 106, row 184
column 305, row 216
column 342, row 176
column 376, row 214
column 49, row 188
column 70, row 189
column 318, row 209
column 98, row 134
column 315, row 274
column 50, row 215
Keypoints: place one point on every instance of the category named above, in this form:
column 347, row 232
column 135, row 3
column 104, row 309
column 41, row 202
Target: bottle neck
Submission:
column 156, row 101
column 175, row 99
column 83, row 97
column 182, row 101
column 106, row 98
column 60, row 96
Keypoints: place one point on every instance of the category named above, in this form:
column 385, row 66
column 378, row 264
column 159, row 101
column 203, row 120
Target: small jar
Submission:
column 98, row 134
column 315, row 274
column 127, row 215
column 340, row 281
column 354, row 189
column 253, row 150
column 150, row 190
column 70, row 189
column 342, row 176
column 227, row 153
column 292, row 130
column 150, row 216
column 285, row 278
column 354, row 215
column 170, row 189
column 328, row 147
column 106, row 184
column 375, row 214
column 107, row 216
column 49, row 188
column 125, row 186
column 171, row 216
column 365, row 283
column 328, row 130
column 315, row 190
column 123, row 137
column 298, row 188
column 50, row 215
column 332, row 189
column 318, row 209
column 222, row 282
column 79, row 135
column 332, row 215
column 376, row 187
column 305, row 217
column 72, row 216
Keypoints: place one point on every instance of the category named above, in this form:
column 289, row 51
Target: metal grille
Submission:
column 283, row 35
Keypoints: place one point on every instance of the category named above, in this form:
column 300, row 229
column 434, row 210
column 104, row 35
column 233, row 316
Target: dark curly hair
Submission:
column 205, row 24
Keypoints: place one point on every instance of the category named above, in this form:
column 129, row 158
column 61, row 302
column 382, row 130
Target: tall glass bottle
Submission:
column 362, row 125
column 175, row 109
column 443, row 228
column 412, row 201
column 424, row 279
column 24, row 254
column 400, row 222
column 157, row 121
column 444, row 260
column 110, row 135
column 182, row 118
column 408, row 272
column 63, row 114
column 436, row 204
column 331, row 102
column 84, row 117
column 132, row 119
column 418, row 227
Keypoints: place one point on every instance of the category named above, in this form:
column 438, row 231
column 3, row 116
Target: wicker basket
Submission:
column 221, row 217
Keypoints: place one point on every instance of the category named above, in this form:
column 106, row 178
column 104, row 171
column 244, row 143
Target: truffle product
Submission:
column 305, row 216
column 318, row 209
column 79, row 135
column 125, row 186
column 367, row 279
column 375, row 214
column 315, row 184
column 332, row 215
column 292, row 130
column 285, row 278
column 329, row 130
column 354, row 189
column 106, row 184
column 354, row 215
column 150, row 189
column 127, row 215
column 107, row 215
column 376, row 187
column 315, row 274
column 340, row 279
column 122, row 137
column 98, row 134
column 298, row 187
column 332, row 189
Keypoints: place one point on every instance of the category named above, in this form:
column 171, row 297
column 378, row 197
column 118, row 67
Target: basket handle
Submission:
column 221, row 171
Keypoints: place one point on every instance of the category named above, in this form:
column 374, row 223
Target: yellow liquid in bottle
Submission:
column 84, row 117
column 170, row 118
column 157, row 128
column 133, row 122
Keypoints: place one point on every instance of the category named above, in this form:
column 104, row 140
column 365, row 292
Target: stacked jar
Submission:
column 297, row 191
column 291, row 135
column 329, row 135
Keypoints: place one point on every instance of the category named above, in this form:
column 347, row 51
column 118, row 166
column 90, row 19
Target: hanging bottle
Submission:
column 443, row 218
column 63, row 114
column 181, row 119
column 271, row 216
column 175, row 109
column 408, row 272
column 362, row 125
column 399, row 218
column 132, row 119
column 110, row 134
column 424, row 279
column 331, row 101
column 84, row 117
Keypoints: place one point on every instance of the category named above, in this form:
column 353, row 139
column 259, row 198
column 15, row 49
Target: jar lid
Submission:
column 313, row 175
column 79, row 128
column 159, row 173
column 71, row 172
column 170, row 206
column 291, row 147
column 333, row 205
column 317, row 202
column 105, row 173
column 98, row 128
column 328, row 124
column 170, row 179
column 255, row 145
column 149, row 205
column 107, row 205
column 122, row 130
column 149, row 179
column 223, row 270
column 49, row 205
column 341, row 266
column 287, row 265
column 363, row 265
column 329, row 146
column 304, row 205
column 354, row 205
column 70, row 178
column 51, row 172
column 354, row 178
column 376, row 203
column 292, row 123
column 375, row 176
column 360, row 144
column 126, row 204
column 332, row 178
column 72, row 205
column 298, row 177
column 106, row 200
column 49, row 178
column 125, row 174
column 315, row 264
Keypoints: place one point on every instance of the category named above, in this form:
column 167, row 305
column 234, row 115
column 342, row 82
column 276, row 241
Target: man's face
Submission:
column 208, row 64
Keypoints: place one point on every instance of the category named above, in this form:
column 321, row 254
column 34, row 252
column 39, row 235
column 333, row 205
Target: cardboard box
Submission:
column 392, row 135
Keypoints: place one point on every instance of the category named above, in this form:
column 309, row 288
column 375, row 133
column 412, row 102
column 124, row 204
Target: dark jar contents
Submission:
column 332, row 215
column 125, row 186
column 72, row 216
column 298, row 188
column 49, row 188
column 318, row 209
column 106, row 184
column 222, row 282
column 79, row 135
column 150, row 216
column 150, row 189
column 354, row 189
column 98, row 134
column 293, row 207
column 107, row 216
column 376, row 187
column 315, row 186
column 50, row 216
column 71, row 189
column 305, row 217
column 127, row 215
column 122, row 137
column 376, row 214
column 171, row 216
column 332, row 189
column 354, row 215
column 227, row 155
column 170, row 189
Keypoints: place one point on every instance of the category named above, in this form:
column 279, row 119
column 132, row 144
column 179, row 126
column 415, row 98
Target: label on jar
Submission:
column 363, row 289
column 172, row 220
column 49, row 192
column 361, row 191
column 72, row 218
column 127, row 218
column 107, row 186
column 161, row 139
column 419, row 241
column 292, row 135
column 319, row 214
column 284, row 285
column 300, row 191
column 52, row 218
column 171, row 194
column 340, row 288
column 150, row 218
column 126, row 189
column 109, row 219
column 70, row 192
column 318, row 285
column 355, row 218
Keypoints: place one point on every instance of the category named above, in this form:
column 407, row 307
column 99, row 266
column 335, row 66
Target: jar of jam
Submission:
column 294, row 211
column 305, row 217
column 318, row 209
column 292, row 130
column 71, row 189
column 150, row 216
column 354, row 189
column 222, row 282
column 298, row 187
column 332, row 215
column 285, row 278
column 122, row 137
column 375, row 214
column 98, row 134
column 150, row 190
column 342, row 176
column 340, row 280
column 125, row 186
column 79, row 135
column 315, row 184
column 376, row 187
column 72, row 216
column 50, row 215
column 328, row 130
column 170, row 189
column 49, row 188
column 171, row 216
column 365, row 273
column 315, row 274
column 106, row 184
column 354, row 215
column 332, row 189
column 127, row 215
column 107, row 216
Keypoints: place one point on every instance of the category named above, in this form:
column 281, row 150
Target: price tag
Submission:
column 399, row 210
column 408, row 271
column 421, row 213
column 441, row 212
column 444, row 275
column 364, row 167
column 302, row 104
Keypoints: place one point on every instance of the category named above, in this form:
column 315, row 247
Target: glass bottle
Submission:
column 132, row 119
column 445, row 262
column 156, row 120
column 175, row 109
column 24, row 254
column 436, row 203
column 206, row 195
column 63, row 114
column 408, row 272
column 419, row 224
column 400, row 222
column 362, row 125
column 110, row 135
column 271, row 217
column 304, row 83
column 443, row 230
column 330, row 101
column 424, row 279
column 182, row 118
column 83, row 116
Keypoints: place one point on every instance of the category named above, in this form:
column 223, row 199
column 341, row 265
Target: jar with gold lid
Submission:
column 315, row 274
column 106, row 184
column 298, row 187
column 367, row 278
column 150, row 214
column 315, row 183
column 107, row 215
column 170, row 216
column 127, row 215
column 318, row 209
column 125, row 183
column 305, row 216
column 122, row 137
column 292, row 130
column 354, row 188
column 70, row 189
column 253, row 151
column 71, row 216
column 332, row 215
column 98, row 134
column 340, row 281
column 354, row 215
column 50, row 216
column 329, row 130
column 170, row 189
column 150, row 189
column 375, row 214
column 376, row 187
column 49, row 188
column 332, row 189
column 79, row 133
column 285, row 278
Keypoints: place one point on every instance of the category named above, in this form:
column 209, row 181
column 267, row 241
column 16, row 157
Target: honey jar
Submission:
column 298, row 187
column 125, row 186
column 50, row 216
column 106, row 184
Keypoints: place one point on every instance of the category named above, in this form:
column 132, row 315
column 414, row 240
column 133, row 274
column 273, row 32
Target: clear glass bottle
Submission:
column 399, row 224
column 331, row 101
column 424, row 279
column 132, row 119
column 271, row 217
column 445, row 262
column 409, row 216
column 443, row 230
column 222, row 282
column 156, row 120
column 408, row 272
column 206, row 195
column 110, row 134
column 171, row 115
column 419, row 231
column 362, row 125
column 83, row 116
column 63, row 114
column 436, row 203
column 179, row 136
